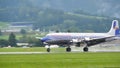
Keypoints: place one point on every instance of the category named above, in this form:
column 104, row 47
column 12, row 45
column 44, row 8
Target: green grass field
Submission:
column 20, row 49
column 61, row 60
column 58, row 60
column 32, row 49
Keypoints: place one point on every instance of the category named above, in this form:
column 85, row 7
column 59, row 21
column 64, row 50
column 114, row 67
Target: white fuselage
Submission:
column 114, row 31
column 69, row 36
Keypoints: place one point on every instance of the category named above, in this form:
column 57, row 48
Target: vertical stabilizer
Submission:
column 114, row 28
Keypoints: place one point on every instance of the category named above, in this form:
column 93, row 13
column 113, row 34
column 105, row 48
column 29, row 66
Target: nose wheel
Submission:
column 68, row 49
column 48, row 49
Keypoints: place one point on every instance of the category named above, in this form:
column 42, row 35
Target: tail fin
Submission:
column 114, row 28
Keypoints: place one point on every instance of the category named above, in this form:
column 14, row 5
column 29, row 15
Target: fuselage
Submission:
column 114, row 31
column 70, row 36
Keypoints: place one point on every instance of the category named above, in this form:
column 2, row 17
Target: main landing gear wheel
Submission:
column 85, row 49
column 68, row 49
column 48, row 49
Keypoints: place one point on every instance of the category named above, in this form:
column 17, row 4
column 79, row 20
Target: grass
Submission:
column 61, row 60
column 58, row 59
column 18, row 36
column 5, row 35
column 32, row 49
column 20, row 49
column 3, row 25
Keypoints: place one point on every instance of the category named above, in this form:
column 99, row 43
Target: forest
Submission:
column 46, row 17
column 56, row 15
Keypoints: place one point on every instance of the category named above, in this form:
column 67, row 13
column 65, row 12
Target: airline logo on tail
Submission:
column 115, row 25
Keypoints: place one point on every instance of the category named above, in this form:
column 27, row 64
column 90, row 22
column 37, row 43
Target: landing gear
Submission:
column 68, row 49
column 48, row 49
column 85, row 49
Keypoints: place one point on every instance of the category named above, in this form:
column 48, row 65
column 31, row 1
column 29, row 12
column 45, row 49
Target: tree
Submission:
column 34, row 42
column 12, row 40
column 0, row 32
column 68, row 31
column 23, row 31
column 3, row 43
column 57, row 31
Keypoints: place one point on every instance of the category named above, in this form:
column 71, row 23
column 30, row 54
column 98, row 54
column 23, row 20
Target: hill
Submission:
column 58, row 15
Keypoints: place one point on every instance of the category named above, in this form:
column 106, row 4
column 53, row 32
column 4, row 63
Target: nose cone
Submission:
column 44, row 39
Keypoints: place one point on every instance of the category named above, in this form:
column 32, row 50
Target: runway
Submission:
column 96, row 48
column 100, row 48
column 23, row 52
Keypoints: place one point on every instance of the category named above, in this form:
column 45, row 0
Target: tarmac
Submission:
column 97, row 48
column 23, row 52
column 113, row 46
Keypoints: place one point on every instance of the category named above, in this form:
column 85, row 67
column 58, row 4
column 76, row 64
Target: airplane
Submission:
column 88, row 39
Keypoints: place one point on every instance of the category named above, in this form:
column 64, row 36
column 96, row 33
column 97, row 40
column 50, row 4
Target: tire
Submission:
column 48, row 49
column 85, row 49
column 68, row 49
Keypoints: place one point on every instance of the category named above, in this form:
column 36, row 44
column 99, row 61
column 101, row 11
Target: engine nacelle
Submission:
column 87, row 38
column 76, row 40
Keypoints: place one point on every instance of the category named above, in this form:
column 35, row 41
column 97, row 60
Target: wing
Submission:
column 95, row 41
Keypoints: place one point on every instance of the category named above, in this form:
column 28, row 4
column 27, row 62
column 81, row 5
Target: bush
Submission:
column 3, row 43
